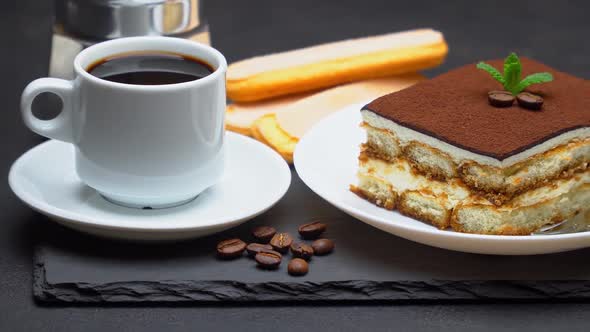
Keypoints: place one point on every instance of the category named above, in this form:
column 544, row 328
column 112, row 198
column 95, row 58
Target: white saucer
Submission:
column 256, row 177
column 326, row 160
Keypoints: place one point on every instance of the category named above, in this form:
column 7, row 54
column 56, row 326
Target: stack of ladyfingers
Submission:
column 277, row 97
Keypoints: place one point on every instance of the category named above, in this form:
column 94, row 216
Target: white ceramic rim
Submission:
column 408, row 227
column 85, row 220
column 88, row 55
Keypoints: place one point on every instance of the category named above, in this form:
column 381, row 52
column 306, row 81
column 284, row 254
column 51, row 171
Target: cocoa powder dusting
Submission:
column 454, row 107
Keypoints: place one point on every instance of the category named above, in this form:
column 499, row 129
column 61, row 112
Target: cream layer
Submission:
column 406, row 135
column 401, row 177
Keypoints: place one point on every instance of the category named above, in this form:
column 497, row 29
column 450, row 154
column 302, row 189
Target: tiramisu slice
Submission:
column 443, row 151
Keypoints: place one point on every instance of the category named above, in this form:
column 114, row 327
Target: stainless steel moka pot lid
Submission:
column 81, row 23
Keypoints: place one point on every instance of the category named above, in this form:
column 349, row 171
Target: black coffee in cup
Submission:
column 150, row 68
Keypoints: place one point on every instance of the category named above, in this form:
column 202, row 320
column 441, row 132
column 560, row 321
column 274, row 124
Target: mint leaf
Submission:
column 512, row 69
column 511, row 77
column 533, row 79
column 492, row 71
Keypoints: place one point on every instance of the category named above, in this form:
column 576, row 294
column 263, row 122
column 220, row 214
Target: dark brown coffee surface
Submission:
column 454, row 107
column 150, row 68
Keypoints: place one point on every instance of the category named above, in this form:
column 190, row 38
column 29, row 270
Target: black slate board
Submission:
column 367, row 265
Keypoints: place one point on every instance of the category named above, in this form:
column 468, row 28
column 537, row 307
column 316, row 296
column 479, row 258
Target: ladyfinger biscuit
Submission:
column 335, row 63
column 239, row 117
column 281, row 130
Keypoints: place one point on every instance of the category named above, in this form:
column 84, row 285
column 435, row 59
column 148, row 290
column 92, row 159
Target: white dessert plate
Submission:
column 326, row 160
column 255, row 179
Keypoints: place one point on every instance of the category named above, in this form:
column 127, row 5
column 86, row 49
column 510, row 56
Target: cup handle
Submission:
column 59, row 128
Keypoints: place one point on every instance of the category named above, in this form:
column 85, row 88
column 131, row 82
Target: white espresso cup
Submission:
column 143, row 146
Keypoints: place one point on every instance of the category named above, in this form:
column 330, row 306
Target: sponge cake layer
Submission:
column 498, row 184
column 395, row 185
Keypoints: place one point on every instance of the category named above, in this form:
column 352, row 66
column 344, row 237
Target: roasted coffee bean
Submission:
column 268, row 259
column 231, row 248
column 297, row 267
column 500, row 98
column 281, row 242
column 322, row 246
column 254, row 248
column 302, row 250
column 263, row 234
column 313, row 230
column 529, row 101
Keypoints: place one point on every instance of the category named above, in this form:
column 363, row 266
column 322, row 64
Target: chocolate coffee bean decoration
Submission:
column 263, row 234
column 281, row 242
column 302, row 250
column 529, row 101
column 322, row 246
column 268, row 259
column 297, row 267
column 500, row 98
column 254, row 248
column 231, row 248
column 312, row 230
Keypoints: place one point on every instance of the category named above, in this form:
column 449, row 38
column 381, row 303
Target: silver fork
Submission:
column 579, row 223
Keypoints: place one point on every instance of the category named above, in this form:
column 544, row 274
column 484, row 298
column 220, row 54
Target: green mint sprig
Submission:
column 510, row 80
